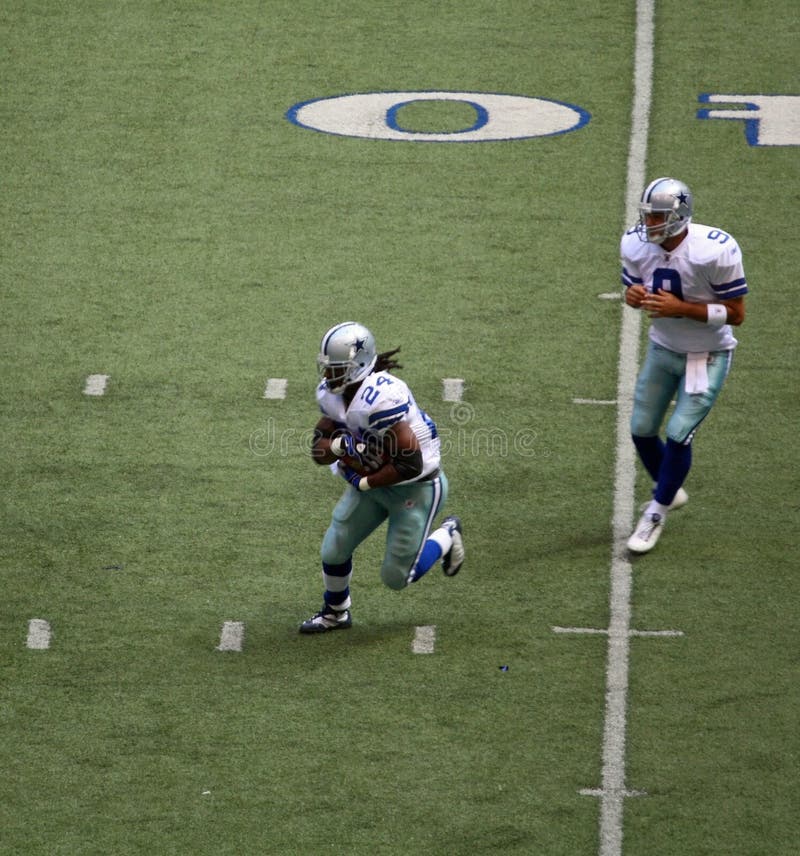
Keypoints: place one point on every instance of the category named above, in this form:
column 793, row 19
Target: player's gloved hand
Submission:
column 372, row 458
column 345, row 445
column 359, row 482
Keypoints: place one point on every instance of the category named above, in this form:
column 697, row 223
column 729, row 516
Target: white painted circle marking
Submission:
column 373, row 115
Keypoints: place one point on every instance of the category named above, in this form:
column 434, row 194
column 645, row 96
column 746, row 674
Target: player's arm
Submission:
column 401, row 459
column 735, row 307
column 664, row 304
column 635, row 292
column 405, row 461
column 324, row 432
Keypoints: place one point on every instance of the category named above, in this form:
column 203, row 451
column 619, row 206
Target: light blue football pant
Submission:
column 410, row 510
column 660, row 379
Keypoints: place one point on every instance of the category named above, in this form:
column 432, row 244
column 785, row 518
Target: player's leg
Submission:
column 355, row 516
column 656, row 385
column 446, row 542
column 690, row 410
column 413, row 509
column 658, row 381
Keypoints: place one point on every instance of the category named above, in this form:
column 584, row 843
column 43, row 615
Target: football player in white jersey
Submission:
column 690, row 280
column 373, row 433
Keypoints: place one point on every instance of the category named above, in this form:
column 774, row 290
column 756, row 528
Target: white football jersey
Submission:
column 382, row 401
column 705, row 267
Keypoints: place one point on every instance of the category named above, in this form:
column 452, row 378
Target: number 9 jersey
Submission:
column 383, row 400
column 706, row 267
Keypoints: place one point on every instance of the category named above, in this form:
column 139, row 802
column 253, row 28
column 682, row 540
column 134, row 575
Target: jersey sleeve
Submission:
column 327, row 406
column 726, row 273
column 389, row 413
column 630, row 270
column 390, row 406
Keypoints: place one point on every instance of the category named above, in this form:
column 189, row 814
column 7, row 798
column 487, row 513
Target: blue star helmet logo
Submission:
column 682, row 198
column 359, row 344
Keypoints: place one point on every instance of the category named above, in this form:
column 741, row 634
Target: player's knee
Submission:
column 394, row 576
column 334, row 550
column 644, row 425
column 681, row 435
column 399, row 560
column 405, row 541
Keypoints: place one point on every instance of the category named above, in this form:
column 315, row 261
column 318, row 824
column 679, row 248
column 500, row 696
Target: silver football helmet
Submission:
column 666, row 196
column 347, row 354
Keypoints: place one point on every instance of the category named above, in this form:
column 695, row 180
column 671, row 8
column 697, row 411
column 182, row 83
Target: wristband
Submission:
column 352, row 477
column 717, row 314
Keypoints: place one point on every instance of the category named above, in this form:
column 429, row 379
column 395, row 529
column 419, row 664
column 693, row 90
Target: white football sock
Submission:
column 443, row 538
column 657, row 508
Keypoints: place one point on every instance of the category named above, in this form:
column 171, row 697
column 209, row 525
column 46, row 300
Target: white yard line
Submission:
column 232, row 636
column 39, row 634
column 276, row 387
column 453, row 388
column 96, row 384
column 600, row 631
column 613, row 791
column 424, row 640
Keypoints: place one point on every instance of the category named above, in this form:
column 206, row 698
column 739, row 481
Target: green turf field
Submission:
column 164, row 224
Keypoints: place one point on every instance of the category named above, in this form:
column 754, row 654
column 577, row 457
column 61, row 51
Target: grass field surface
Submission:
column 165, row 225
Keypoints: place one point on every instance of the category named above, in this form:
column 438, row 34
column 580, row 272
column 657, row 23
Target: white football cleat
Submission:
column 681, row 498
column 646, row 534
column 327, row 619
column 453, row 559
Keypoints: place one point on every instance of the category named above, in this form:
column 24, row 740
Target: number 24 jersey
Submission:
column 382, row 401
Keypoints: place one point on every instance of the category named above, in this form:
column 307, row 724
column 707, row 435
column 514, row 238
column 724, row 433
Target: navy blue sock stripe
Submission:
column 338, row 570
column 674, row 469
column 651, row 454
column 336, row 598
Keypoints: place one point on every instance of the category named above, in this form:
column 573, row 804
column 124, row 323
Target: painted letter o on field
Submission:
column 372, row 115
